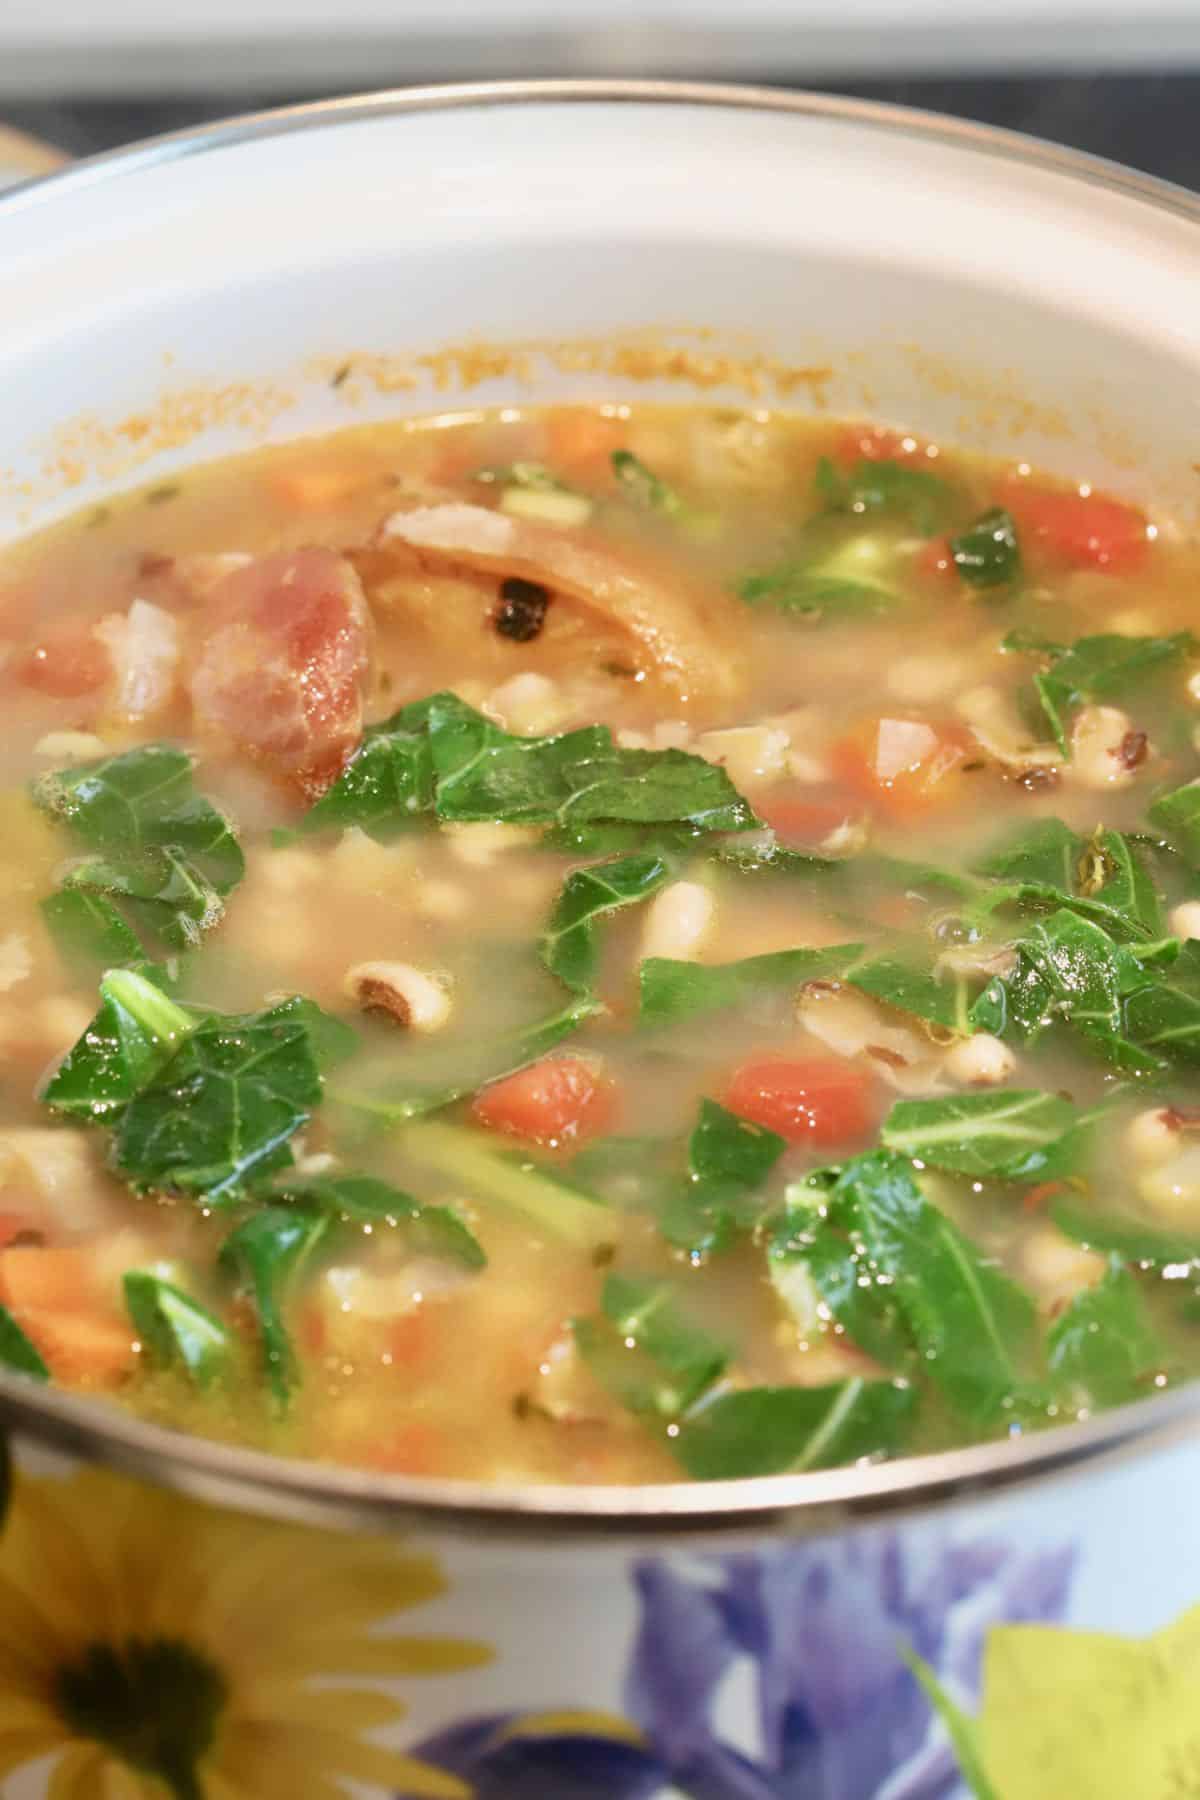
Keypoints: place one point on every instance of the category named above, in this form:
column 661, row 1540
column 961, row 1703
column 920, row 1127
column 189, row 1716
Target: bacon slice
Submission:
column 284, row 665
column 683, row 634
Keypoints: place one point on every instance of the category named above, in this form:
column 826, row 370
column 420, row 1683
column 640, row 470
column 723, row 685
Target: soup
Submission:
column 602, row 945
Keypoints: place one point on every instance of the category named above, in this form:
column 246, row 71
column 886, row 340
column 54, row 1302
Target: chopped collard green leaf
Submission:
column 552, row 1202
column 89, row 931
column 174, row 1329
column 729, row 1159
column 1014, row 1135
column 1096, row 668
column 218, row 1115
column 671, row 991
column 570, row 948
column 441, row 757
column 18, row 1352
column 1178, row 815
column 365, row 1199
column 781, row 1430
column 136, row 1031
column 645, row 487
column 1124, row 1235
column 987, row 554
column 1102, row 1350
column 264, row 1255
column 646, row 1350
column 150, row 841
column 972, row 1326
column 881, row 486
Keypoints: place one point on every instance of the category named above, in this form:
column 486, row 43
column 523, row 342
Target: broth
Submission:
column 601, row 945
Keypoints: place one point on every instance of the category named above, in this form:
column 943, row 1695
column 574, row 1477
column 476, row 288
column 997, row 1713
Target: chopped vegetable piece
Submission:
column 175, row 1328
column 557, row 1102
column 988, row 555
column 819, row 1102
column 778, row 1430
column 157, row 846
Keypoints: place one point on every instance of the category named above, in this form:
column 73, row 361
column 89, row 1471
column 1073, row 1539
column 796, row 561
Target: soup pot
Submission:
column 177, row 1617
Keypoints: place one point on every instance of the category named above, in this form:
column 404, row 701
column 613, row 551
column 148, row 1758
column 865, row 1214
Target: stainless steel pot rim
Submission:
column 812, row 1500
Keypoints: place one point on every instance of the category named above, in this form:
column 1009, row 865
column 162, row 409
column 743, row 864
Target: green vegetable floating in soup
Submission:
column 602, row 946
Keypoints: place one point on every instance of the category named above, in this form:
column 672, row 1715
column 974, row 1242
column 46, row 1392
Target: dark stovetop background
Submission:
column 1151, row 121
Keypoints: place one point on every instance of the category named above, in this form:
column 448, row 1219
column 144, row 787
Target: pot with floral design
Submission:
column 181, row 1618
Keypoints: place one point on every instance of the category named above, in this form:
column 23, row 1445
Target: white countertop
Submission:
column 126, row 46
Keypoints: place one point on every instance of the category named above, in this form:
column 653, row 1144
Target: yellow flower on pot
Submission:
column 164, row 1650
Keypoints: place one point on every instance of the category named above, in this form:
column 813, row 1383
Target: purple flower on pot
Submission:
column 814, row 1637
column 777, row 1675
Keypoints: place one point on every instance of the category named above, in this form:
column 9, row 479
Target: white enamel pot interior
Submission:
column 190, row 298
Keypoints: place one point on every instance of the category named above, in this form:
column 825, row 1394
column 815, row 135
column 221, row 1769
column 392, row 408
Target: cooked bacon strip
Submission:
column 681, row 632
column 284, row 666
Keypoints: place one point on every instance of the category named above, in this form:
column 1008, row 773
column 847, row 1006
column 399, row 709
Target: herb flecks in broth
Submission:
column 575, row 947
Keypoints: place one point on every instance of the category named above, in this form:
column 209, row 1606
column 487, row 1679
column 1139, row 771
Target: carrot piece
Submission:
column 803, row 820
column 49, row 1279
column 81, row 1346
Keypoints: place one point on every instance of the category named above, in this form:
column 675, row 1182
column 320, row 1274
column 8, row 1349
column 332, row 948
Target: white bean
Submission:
column 1097, row 755
column 980, row 1061
column 16, row 961
column 479, row 843
column 679, row 921
column 1185, row 920
column 1058, row 1267
column 1151, row 1138
column 405, row 993
column 1172, row 1190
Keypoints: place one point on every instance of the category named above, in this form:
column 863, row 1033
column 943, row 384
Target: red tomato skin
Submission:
column 66, row 664
column 283, row 673
column 875, row 443
column 821, row 1103
column 1084, row 531
column 913, row 790
column 558, row 1101
column 803, row 821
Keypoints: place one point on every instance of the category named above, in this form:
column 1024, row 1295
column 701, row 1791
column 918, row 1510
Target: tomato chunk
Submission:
column 67, row 663
column 560, row 1100
column 875, row 443
column 1084, row 531
column 818, row 1101
column 283, row 673
column 902, row 767
column 803, row 821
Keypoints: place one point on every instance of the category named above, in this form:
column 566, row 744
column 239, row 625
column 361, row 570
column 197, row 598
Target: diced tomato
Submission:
column 560, row 1100
column 820, row 1102
column 875, row 443
column 580, row 442
column 802, row 820
column 283, row 672
column 1084, row 531
column 67, row 663
column 902, row 767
